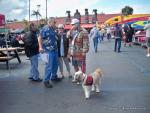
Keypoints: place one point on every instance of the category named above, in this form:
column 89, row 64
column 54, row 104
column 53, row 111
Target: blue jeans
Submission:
column 52, row 66
column 117, row 44
column 95, row 42
column 34, row 73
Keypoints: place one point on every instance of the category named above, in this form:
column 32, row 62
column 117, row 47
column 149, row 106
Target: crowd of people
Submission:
column 60, row 47
column 64, row 47
column 118, row 32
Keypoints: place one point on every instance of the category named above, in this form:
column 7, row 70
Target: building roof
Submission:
column 15, row 25
column 61, row 20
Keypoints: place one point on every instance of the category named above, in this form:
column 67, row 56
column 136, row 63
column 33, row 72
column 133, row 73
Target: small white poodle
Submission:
column 90, row 82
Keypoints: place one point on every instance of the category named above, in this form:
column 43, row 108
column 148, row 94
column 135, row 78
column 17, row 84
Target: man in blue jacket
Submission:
column 48, row 44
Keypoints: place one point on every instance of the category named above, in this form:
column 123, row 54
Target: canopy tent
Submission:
column 2, row 20
column 3, row 30
column 138, row 24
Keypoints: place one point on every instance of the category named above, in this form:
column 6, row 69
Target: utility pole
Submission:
column 29, row 11
column 46, row 10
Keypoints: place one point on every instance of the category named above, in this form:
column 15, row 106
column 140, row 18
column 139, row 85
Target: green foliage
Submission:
column 127, row 10
column 37, row 14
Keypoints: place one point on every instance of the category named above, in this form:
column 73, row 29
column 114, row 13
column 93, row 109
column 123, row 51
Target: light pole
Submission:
column 29, row 11
column 46, row 10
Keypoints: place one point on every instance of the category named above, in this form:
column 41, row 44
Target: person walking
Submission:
column 94, row 34
column 108, row 32
column 130, row 37
column 103, row 33
column 31, row 50
column 63, row 47
column 79, row 42
column 48, row 43
column 118, row 38
column 147, row 28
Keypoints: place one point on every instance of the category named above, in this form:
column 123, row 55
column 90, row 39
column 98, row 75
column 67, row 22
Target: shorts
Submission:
column 77, row 63
column 148, row 41
column 128, row 39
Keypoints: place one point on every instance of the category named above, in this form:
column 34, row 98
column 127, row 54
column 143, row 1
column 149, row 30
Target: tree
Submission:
column 37, row 14
column 127, row 10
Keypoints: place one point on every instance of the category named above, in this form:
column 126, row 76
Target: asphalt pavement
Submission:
column 125, row 85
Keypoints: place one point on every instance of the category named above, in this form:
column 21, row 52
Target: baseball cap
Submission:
column 75, row 21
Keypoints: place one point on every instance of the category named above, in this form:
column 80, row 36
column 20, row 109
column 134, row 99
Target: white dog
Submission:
column 90, row 82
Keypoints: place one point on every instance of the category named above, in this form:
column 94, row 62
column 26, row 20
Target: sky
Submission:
column 19, row 9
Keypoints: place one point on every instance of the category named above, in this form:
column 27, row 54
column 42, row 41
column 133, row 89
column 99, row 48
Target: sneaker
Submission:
column 30, row 78
column 37, row 80
column 148, row 55
column 47, row 84
column 56, row 80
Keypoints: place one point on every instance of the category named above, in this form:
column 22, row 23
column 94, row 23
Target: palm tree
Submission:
column 127, row 10
column 37, row 14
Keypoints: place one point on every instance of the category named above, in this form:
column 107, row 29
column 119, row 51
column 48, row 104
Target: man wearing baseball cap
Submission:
column 79, row 45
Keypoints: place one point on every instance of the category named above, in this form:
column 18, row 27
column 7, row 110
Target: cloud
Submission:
column 57, row 8
column 18, row 9
column 14, row 9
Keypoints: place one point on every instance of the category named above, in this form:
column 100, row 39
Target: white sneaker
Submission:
column 148, row 55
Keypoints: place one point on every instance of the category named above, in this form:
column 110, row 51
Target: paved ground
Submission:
column 125, row 86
